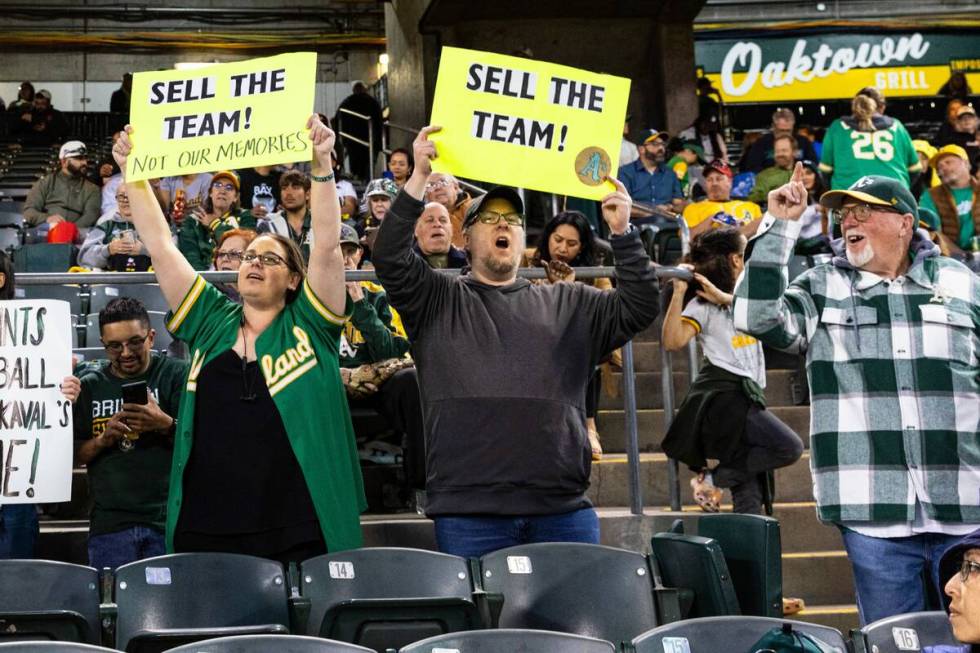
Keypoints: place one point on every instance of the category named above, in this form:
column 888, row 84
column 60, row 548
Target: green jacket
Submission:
column 197, row 242
column 76, row 199
column 374, row 332
column 769, row 179
column 298, row 356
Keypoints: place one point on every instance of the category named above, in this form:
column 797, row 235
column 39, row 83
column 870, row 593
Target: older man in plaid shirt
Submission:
column 890, row 331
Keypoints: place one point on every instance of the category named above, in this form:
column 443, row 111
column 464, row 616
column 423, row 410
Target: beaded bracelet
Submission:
column 323, row 179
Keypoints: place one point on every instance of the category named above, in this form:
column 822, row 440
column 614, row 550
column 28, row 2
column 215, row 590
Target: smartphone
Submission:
column 134, row 393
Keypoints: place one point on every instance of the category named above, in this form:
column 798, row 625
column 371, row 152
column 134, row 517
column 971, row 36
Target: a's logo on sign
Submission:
column 342, row 570
column 592, row 165
column 906, row 639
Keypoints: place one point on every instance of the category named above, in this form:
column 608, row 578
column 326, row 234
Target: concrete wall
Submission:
column 411, row 68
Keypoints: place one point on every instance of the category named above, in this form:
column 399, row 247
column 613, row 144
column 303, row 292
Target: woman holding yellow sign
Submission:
column 264, row 456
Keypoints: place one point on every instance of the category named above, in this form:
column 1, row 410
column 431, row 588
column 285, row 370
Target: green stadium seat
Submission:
column 45, row 600
column 178, row 599
column 731, row 633
column 388, row 597
column 696, row 563
column 52, row 647
column 907, row 632
column 517, row 640
column 753, row 552
column 45, row 257
column 266, row 643
column 586, row 589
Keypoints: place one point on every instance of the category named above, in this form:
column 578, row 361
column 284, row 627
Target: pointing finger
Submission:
column 798, row 172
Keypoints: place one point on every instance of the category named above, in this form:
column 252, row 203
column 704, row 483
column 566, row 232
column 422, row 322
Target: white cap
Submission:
column 72, row 148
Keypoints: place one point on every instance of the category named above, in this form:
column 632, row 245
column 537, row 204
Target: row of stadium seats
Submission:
column 395, row 599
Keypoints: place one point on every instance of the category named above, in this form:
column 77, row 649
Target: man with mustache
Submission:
column 890, row 333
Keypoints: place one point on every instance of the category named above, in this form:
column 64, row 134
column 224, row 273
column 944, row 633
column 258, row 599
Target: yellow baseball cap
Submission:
column 948, row 150
column 925, row 148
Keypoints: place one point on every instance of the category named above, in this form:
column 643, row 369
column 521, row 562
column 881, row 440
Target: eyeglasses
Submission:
column 230, row 255
column 492, row 217
column 968, row 567
column 432, row 185
column 122, row 198
column 134, row 344
column 221, row 186
column 268, row 259
column 860, row 212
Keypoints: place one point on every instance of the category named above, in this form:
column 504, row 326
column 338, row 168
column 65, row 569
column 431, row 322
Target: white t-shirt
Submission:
column 723, row 346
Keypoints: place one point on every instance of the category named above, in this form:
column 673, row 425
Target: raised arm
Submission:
column 619, row 315
column 174, row 274
column 780, row 316
column 676, row 332
column 414, row 289
column 326, row 267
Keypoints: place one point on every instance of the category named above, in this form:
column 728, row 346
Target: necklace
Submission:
column 248, row 380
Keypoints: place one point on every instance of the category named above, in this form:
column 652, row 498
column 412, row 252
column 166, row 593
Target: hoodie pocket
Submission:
column 852, row 330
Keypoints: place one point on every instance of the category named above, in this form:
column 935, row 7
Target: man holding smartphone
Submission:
column 124, row 425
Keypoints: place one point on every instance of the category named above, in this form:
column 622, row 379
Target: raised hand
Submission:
column 616, row 208
column 323, row 139
column 710, row 292
column 122, row 148
column 788, row 202
column 425, row 150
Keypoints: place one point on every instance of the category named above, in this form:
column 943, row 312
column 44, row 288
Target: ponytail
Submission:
column 863, row 108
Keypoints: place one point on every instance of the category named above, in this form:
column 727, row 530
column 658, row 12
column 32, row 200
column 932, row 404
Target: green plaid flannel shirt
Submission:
column 895, row 408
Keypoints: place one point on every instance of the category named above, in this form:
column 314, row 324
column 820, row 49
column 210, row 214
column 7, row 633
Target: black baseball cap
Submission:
column 501, row 192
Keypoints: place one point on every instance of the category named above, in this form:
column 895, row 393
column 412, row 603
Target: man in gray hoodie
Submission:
column 503, row 367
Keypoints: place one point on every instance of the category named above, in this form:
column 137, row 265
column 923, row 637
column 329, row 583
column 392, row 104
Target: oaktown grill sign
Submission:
column 830, row 66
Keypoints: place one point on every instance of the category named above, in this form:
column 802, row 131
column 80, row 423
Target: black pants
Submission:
column 766, row 445
column 397, row 400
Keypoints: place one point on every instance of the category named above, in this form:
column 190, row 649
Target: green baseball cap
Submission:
column 694, row 147
column 877, row 191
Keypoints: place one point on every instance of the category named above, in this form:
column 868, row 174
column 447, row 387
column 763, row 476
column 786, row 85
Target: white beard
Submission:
column 862, row 259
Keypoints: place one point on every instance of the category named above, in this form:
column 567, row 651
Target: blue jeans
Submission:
column 472, row 537
column 18, row 530
column 888, row 572
column 122, row 547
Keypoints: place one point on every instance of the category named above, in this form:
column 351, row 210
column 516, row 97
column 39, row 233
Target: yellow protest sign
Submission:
column 235, row 115
column 528, row 123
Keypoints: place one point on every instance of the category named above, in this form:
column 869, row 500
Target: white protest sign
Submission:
column 35, row 418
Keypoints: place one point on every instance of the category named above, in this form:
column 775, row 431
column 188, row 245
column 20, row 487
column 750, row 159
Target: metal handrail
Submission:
column 125, row 278
column 629, row 381
column 370, row 142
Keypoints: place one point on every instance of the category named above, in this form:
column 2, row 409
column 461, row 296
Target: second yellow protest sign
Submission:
column 527, row 123
column 237, row 115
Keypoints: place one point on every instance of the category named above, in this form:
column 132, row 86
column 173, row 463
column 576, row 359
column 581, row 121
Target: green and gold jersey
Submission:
column 849, row 154
column 128, row 482
column 298, row 355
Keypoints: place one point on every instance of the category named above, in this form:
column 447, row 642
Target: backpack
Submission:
column 787, row 640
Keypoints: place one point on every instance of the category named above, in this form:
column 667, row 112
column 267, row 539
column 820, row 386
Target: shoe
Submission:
column 706, row 495
column 792, row 606
column 594, row 444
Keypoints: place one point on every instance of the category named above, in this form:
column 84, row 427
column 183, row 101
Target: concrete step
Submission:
column 649, row 389
column 650, row 426
column 843, row 617
column 818, row 577
column 610, row 481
